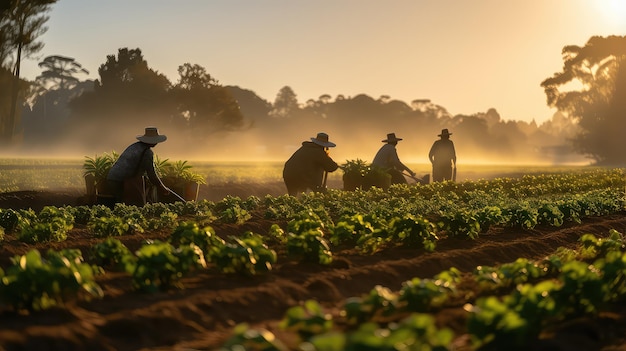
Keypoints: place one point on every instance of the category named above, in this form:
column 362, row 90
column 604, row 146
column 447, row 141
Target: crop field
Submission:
column 506, row 258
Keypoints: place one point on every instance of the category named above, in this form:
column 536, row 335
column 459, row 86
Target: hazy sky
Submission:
column 465, row 55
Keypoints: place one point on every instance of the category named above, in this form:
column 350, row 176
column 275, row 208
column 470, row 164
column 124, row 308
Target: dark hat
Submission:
column 391, row 137
column 151, row 136
column 444, row 132
column 322, row 140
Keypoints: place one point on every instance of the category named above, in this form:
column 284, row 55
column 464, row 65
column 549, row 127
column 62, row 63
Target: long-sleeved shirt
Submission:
column 387, row 157
column 442, row 152
column 307, row 165
column 135, row 160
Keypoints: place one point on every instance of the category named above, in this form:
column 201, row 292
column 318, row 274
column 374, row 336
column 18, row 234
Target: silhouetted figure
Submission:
column 307, row 168
column 443, row 157
column 387, row 158
column 125, row 179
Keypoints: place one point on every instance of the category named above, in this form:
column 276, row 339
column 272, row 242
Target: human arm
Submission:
column 328, row 163
column 147, row 163
column 397, row 164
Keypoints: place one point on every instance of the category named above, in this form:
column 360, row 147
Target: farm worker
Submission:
column 125, row 178
column 387, row 158
column 443, row 158
column 307, row 168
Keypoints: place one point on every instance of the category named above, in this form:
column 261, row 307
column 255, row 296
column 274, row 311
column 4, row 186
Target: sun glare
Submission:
column 613, row 11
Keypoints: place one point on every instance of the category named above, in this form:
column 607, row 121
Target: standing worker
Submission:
column 306, row 169
column 387, row 158
column 125, row 179
column 443, row 158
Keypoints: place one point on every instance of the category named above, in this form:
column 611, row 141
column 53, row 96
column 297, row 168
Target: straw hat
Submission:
column 322, row 140
column 391, row 137
column 444, row 132
column 151, row 136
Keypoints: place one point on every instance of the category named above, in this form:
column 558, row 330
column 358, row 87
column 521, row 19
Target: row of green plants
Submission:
column 510, row 305
column 177, row 175
column 312, row 233
column 36, row 282
column 316, row 224
column 403, row 215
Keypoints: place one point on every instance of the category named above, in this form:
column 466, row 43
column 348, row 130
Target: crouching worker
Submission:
column 125, row 180
column 307, row 168
column 387, row 158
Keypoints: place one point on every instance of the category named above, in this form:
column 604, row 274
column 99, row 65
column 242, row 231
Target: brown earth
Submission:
column 201, row 316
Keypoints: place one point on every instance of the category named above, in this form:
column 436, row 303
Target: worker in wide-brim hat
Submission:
column 126, row 177
column 387, row 158
column 442, row 155
column 307, row 167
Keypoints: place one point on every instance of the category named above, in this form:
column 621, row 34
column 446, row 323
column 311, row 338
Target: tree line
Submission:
column 58, row 108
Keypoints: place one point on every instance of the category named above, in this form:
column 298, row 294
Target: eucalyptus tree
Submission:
column 204, row 106
column 128, row 94
column 44, row 122
column 598, row 102
column 5, row 27
column 59, row 72
column 22, row 22
column 285, row 104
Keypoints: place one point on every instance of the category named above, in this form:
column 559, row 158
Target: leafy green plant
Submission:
column 378, row 304
column 98, row 167
column 416, row 332
column 305, row 239
column 159, row 266
column 247, row 254
column 8, row 219
column 354, row 172
column 82, row 214
column 307, row 320
column 460, row 223
column 35, row 283
column 411, row 230
column 523, row 216
column 111, row 252
column 181, row 171
column 420, row 295
column 244, row 338
column 51, row 224
column 189, row 232
column 104, row 227
column 550, row 214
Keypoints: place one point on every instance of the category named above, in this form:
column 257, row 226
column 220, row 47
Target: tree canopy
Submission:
column 21, row 24
column 129, row 94
column 59, row 72
column 203, row 105
column 599, row 105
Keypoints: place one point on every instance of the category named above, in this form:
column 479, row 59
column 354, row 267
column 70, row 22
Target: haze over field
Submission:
column 468, row 56
column 485, row 58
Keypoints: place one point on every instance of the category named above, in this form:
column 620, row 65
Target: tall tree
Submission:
column 599, row 107
column 286, row 103
column 59, row 72
column 46, row 117
column 5, row 27
column 204, row 105
column 129, row 94
column 23, row 22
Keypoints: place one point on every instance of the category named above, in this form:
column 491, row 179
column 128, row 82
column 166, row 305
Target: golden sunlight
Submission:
column 613, row 11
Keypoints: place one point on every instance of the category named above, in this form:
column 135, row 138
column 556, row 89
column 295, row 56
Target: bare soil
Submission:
column 201, row 316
